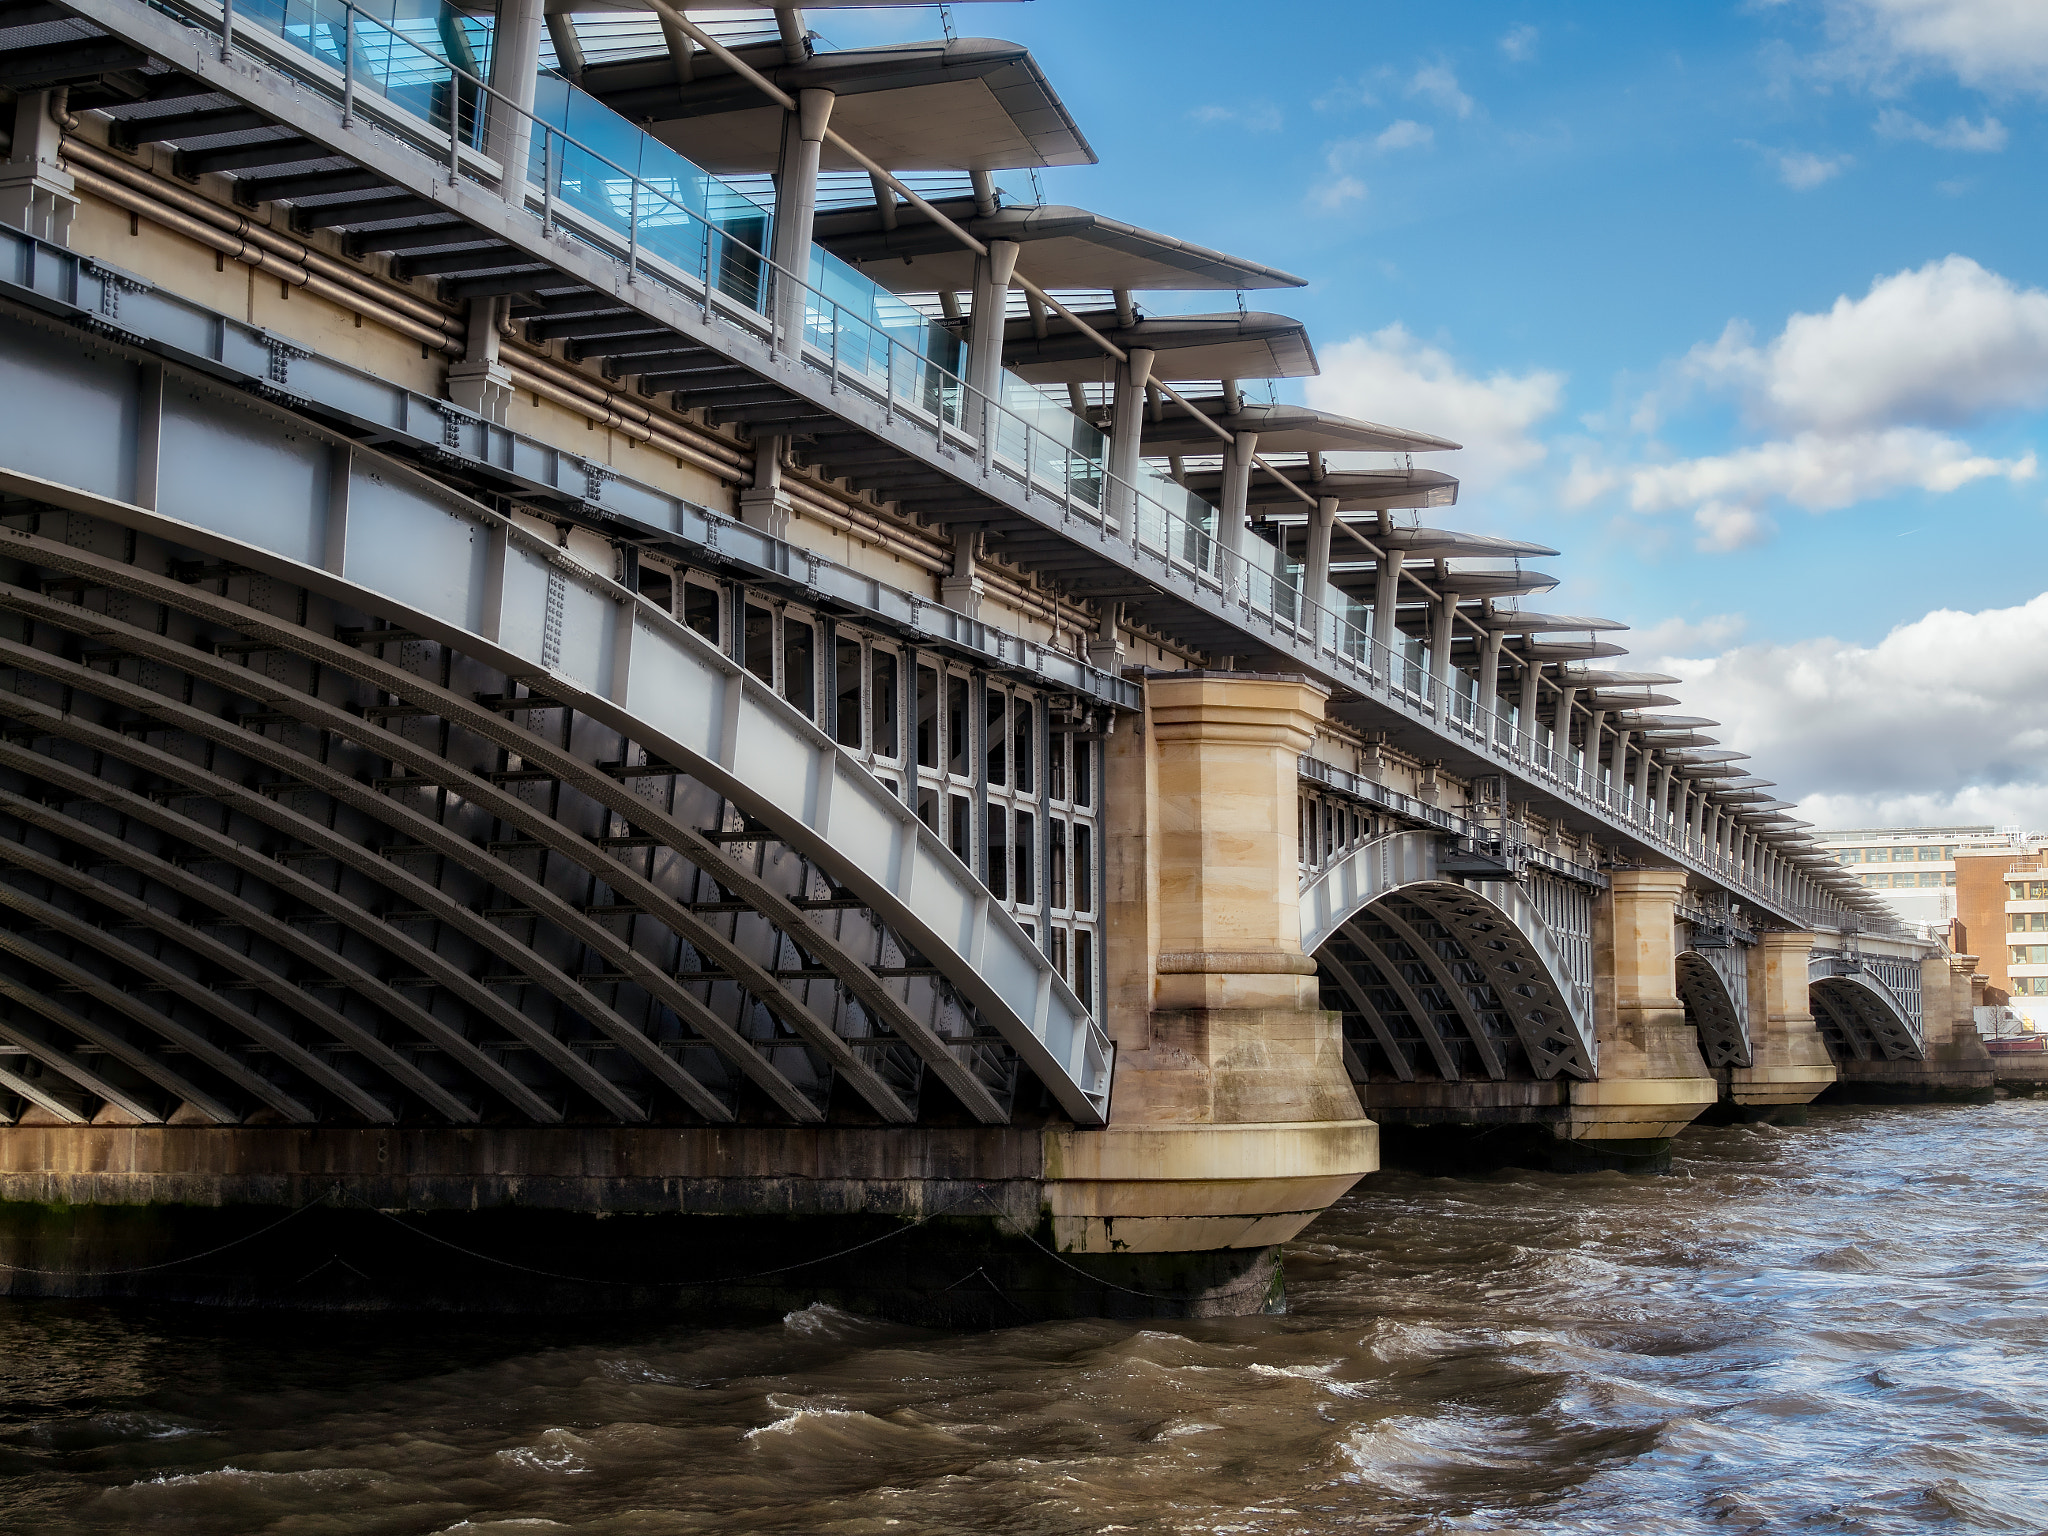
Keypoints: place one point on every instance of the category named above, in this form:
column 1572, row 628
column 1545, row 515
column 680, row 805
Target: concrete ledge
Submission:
column 1646, row 1090
column 1758, row 1087
column 1283, row 1150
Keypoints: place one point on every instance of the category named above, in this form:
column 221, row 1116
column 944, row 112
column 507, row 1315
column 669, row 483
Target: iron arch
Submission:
column 1860, row 1018
column 1715, row 1006
column 558, row 853
column 1462, row 979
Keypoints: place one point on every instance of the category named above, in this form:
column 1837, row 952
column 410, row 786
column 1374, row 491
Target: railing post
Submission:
column 348, row 65
column 547, row 182
column 633, row 232
column 454, row 126
column 227, row 29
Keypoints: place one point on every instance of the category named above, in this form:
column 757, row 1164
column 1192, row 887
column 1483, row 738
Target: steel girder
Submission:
column 1860, row 1018
column 1715, row 1006
column 1484, row 946
column 806, row 974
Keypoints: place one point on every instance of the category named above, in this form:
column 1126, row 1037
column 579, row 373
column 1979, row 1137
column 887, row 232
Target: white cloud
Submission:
column 1987, row 137
column 1673, row 637
column 1944, row 343
column 1944, row 720
column 1802, row 171
column 1727, row 492
column 1253, row 117
column 1990, row 44
column 1405, row 134
column 1519, row 43
column 1436, row 82
column 1340, row 188
column 1394, row 377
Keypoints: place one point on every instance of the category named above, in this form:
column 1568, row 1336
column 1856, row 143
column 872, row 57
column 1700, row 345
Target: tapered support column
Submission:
column 1127, row 436
column 992, row 275
column 796, row 208
column 1315, row 571
column 1653, row 1081
column 1525, row 706
column 1386, row 599
column 962, row 588
column 1442, row 616
column 1489, row 683
column 1789, row 1060
column 515, row 75
column 1237, row 485
column 1233, row 1120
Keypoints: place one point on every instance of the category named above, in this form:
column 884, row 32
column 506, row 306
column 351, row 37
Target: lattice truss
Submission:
column 1434, row 981
column 264, row 858
column 1861, row 1020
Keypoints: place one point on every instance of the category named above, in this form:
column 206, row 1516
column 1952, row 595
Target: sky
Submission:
column 1740, row 306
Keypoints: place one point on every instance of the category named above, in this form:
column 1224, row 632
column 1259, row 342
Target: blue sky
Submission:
column 1531, row 228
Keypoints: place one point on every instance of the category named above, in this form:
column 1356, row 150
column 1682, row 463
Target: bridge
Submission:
column 552, row 668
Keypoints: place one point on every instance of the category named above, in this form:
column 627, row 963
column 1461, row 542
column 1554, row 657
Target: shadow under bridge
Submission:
column 328, row 794
column 1448, row 979
column 1867, row 1008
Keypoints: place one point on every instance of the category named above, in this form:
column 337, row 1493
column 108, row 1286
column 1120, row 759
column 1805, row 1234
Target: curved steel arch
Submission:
column 1859, row 1016
column 374, row 535
column 1712, row 1008
column 1494, row 923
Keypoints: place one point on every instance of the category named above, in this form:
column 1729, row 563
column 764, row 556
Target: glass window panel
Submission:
column 960, row 829
column 850, row 731
column 999, row 851
column 1056, row 775
column 882, row 699
column 760, row 643
column 1023, row 715
column 700, row 610
column 1025, row 859
column 658, row 587
column 1056, row 861
column 1084, row 773
column 1084, row 868
column 799, row 674
column 927, row 718
column 957, row 759
column 998, row 738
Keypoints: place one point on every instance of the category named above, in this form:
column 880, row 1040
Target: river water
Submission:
column 1841, row 1326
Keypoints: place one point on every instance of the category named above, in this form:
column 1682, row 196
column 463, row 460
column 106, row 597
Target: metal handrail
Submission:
column 1187, row 557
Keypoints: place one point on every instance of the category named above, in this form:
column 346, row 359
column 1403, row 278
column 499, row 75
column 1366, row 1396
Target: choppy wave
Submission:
column 1835, row 1327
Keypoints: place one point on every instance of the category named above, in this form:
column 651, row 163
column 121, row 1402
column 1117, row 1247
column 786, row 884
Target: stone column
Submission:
column 1233, row 1121
column 1653, row 1081
column 1789, row 1060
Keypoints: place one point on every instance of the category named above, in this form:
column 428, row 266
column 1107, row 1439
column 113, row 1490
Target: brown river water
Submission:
column 1841, row 1326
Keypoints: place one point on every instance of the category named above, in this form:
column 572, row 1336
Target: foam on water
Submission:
column 1832, row 1327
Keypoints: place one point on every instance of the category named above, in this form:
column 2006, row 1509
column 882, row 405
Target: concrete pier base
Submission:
column 952, row 1227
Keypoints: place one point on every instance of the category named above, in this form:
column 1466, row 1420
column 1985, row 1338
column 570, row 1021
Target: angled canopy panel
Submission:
column 1063, row 248
column 966, row 104
column 1209, row 347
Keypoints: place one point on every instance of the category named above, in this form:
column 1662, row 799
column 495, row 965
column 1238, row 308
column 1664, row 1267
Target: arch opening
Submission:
column 1861, row 1020
column 1715, row 1006
column 1438, row 979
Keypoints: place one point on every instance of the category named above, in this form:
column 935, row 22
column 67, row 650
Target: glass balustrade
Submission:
column 621, row 189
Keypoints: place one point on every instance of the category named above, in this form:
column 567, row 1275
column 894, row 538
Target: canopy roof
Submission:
column 1635, row 720
column 1359, row 581
column 1207, row 347
column 1527, row 623
column 1581, row 678
column 1063, row 248
column 1356, row 490
column 1627, row 701
column 1281, row 429
column 970, row 104
column 1568, row 650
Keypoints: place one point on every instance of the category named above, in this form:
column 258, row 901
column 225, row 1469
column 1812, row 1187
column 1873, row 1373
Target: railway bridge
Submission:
column 621, row 683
